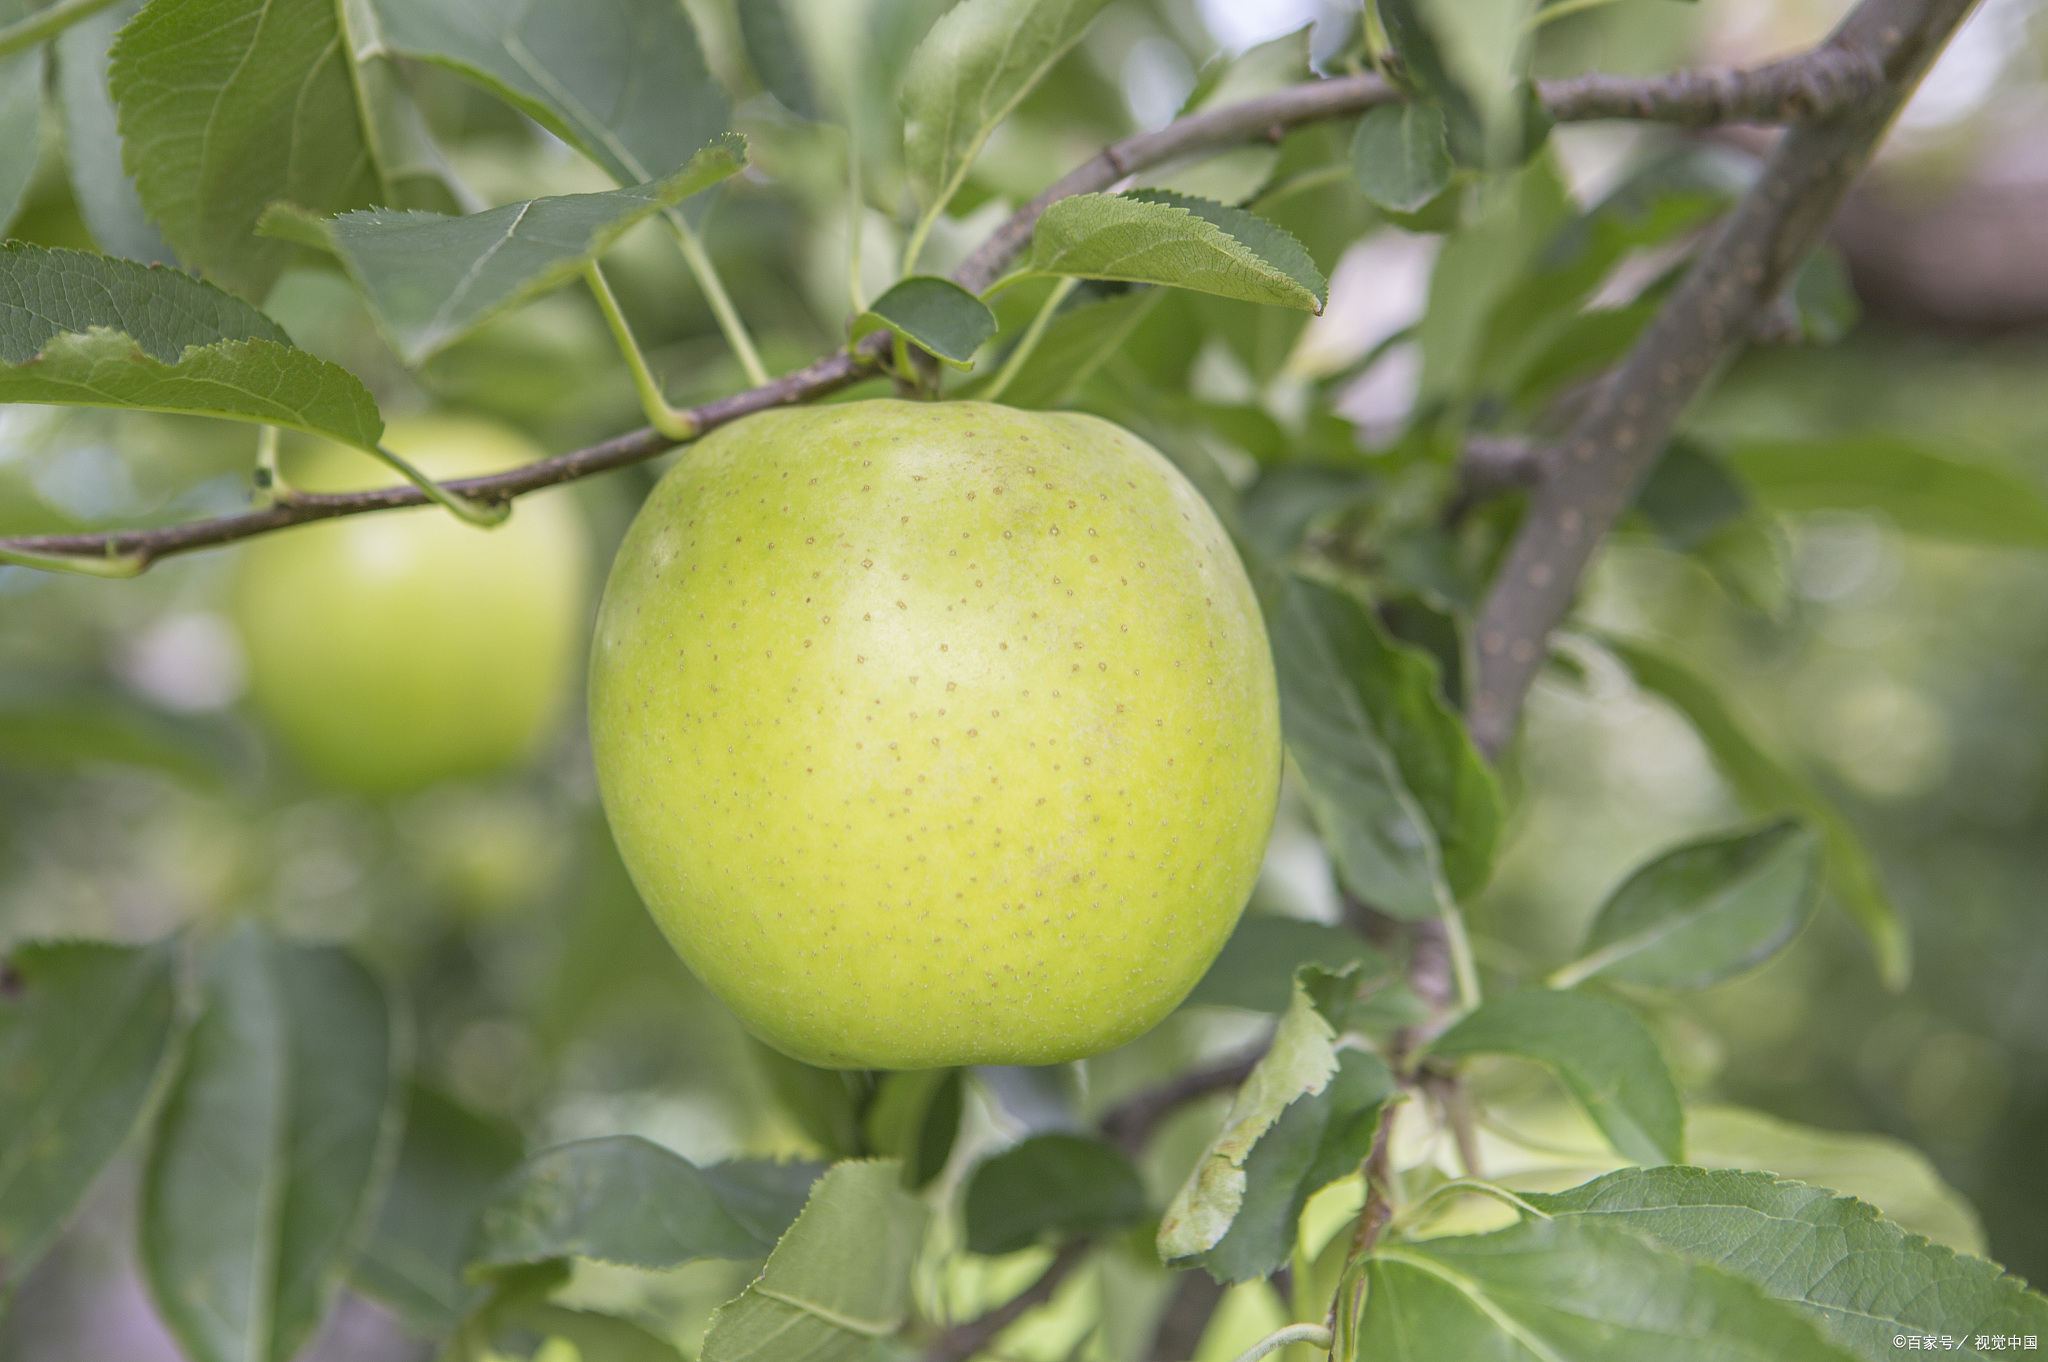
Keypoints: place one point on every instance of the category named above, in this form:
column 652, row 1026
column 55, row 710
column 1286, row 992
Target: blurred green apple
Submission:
column 394, row 650
column 935, row 733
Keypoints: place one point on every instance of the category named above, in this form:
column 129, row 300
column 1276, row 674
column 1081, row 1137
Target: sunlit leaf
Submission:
column 1154, row 237
column 622, row 1199
column 978, row 62
column 1705, row 912
column 935, row 314
column 1606, row 1059
column 1400, row 157
column 839, row 1280
column 431, row 279
column 86, row 1034
column 1861, row 1279
column 1768, row 786
column 272, row 1147
column 1050, row 1187
column 1567, row 1288
column 1922, row 491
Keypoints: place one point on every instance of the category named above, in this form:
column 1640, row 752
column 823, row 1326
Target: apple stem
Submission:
column 271, row 488
column 1032, row 335
column 677, row 425
column 111, row 565
column 728, row 316
column 470, row 511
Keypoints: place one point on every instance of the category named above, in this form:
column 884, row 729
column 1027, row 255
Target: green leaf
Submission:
column 1768, row 786
column 1281, row 506
column 1691, row 496
column 1861, row 1279
column 1153, row 237
column 449, row 1165
column 226, row 106
column 1301, row 1061
column 1824, row 298
column 622, row 1199
column 1568, row 1289
column 63, row 721
column 1606, row 1059
column 1923, row 492
column 21, row 122
column 1050, row 1188
column 431, row 279
column 1704, row 912
column 1256, row 968
column 45, row 293
column 975, row 66
column 104, row 190
column 914, row 1117
column 1082, row 337
column 1318, row 1139
column 272, row 1148
column 1400, row 157
column 934, row 313
column 596, row 1337
column 86, row 1034
column 778, row 58
column 622, row 81
column 839, row 1280
column 824, row 1103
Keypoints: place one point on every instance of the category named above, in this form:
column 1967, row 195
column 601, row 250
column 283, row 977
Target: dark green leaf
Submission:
column 978, row 62
column 1691, row 496
column 1567, row 1289
column 46, row 293
column 449, row 1164
column 1705, row 912
column 1824, row 298
column 1050, row 1187
column 1768, row 786
column 1862, row 1279
column 839, row 1280
column 21, row 120
column 86, row 1031
column 1081, row 338
column 623, row 1199
column 1281, row 506
column 104, row 190
column 1400, row 157
column 936, row 314
column 623, row 81
column 1153, row 237
column 431, row 279
column 1922, row 491
column 1606, row 1059
column 914, row 1117
column 824, row 1103
column 1318, row 1139
column 596, row 1337
column 272, row 1147
column 778, row 57
column 1256, row 968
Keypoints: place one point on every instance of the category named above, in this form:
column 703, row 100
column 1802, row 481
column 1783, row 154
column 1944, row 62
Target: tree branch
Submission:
column 963, row 1341
column 1609, row 451
column 1130, row 1124
column 1812, row 85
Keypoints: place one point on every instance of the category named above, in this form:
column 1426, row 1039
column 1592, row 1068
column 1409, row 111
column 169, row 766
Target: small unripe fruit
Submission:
column 935, row 733
column 394, row 650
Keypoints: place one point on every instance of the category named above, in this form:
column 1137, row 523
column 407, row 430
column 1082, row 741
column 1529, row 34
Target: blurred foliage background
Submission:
column 1908, row 674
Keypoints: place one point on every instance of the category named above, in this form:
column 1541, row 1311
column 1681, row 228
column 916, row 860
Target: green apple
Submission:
column 935, row 733
column 394, row 650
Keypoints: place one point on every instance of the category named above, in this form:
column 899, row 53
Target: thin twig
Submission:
column 1130, row 1123
column 964, row 1340
column 1800, row 87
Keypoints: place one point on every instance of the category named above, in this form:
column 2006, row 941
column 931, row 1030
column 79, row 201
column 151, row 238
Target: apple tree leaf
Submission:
column 1861, row 1279
column 1152, row 236
column 272, row 1148
column 87, row 1034
column 914, row 1117
column 622, row 81
column 1081, row 338
column 1768, row 786
column 972, row 69
column 449, row 1166
column 21, row 123
column 105, row 191
column 593, row 1335
column 431, row 279
column 1567, row 1288
column 1399, row 155
column 1704, row 912
column 1256, row 968
column 226, row 106
column 837, row 1281
column 1921, row 491
column 1607, row 1060
column 778, row 57
column 1050, row 1188
column 1318, row 1139
column 622, row 1199
column 934, row 313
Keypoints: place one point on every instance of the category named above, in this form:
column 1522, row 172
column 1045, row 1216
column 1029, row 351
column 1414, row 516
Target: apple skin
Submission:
column 935, row 733
column 395, row 650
